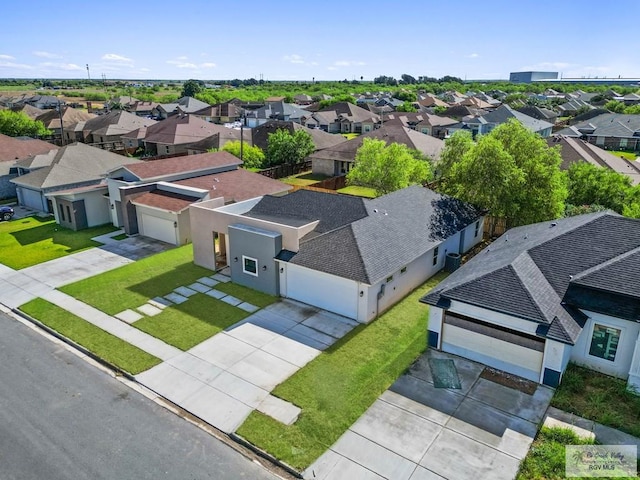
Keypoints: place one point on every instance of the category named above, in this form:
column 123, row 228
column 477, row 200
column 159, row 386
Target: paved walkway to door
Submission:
column 416, row 431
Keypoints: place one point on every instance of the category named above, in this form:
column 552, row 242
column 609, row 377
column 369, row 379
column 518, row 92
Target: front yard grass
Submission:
column 245, row 294
column 336, row 388
column 134, row 284
column 186, row 325
column 600, row 398
column 29, row 241
column 108, row 347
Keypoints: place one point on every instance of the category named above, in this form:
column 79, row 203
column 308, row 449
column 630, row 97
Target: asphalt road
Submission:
column 62, row 418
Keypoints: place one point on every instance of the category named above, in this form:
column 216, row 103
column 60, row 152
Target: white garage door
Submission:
column 31, row 199
column 158, row 228
column 511, row 351
column 322, row 290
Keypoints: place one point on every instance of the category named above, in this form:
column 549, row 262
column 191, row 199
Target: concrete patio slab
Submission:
column 336, row 467
column 422, row 473
column 291, row 351
column 216, row 294
column 128, row 316
column 149, row 310
column 271, row 321
column 398, row 430
column 263, row 369
column 199, row 287
column 422, row 392
column 170, row 382
column 310, row 342
column 220, row 278
column 415, row 408
column 222, row 350
column 330, row 324
column 309, row 332
column 285, row 412
column 196, row 367
column 251, row 334
column 217, row 408
column 247, row 307
column 377, row 458
column 455, row 456
column 292, row 310
column 208, row 281
column 468, row 372
column 176, row 298
column 231, row 300
column 239, row 389
column 185, row 291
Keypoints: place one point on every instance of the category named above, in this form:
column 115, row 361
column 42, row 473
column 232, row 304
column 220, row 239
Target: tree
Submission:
column 408, row 79
column 15, row 124
column 252, row 157
column 191, row 88
column 511, row 171
column 614, row 106
column 455, row 147
column 282, row 147
column 406, row 107
column 387, row 168
column 589, row 184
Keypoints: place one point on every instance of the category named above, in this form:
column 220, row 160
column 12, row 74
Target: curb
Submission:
column 245, row 443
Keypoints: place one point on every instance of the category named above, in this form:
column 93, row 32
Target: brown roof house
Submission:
column 220, row 113
column 70, row 116
column 108, row 130
column 342, row 117
column 152, row 198
column 338, row 160
column 321, row 139
column 12, row 149
column 175, row 134
column 69, row 183
column 426, row 123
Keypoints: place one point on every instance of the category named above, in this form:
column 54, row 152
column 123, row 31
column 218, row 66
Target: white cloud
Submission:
column 43, row 54
column 113, row 57
column 6, row 57
column 62, row 66
column 293, row 59
column 208, row 65
column 20, row 66
column 183, row 58
column 473, row 55
column 182, row 62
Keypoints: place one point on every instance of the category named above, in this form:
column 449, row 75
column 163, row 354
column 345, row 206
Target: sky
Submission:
column 323, row 40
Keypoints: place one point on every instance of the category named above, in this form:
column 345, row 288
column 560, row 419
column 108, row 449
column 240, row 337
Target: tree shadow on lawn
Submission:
column 35, row 234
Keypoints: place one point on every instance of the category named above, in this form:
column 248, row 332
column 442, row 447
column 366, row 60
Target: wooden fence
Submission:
column 495, row 226
column 286, row 170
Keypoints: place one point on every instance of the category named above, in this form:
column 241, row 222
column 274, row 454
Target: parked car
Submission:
column 6, row 213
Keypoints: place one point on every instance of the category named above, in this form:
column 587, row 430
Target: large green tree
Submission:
column 191, row 88
column 511, row 171
column 592, row 185
column 387, row 168
column 282, row 147
column 15, row 124
column 253, row 157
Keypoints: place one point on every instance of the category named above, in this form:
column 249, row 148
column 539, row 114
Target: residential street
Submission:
column 62, row 418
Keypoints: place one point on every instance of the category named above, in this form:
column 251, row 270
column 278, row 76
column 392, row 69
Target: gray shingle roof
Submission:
column 526, row 272
column 367, row 240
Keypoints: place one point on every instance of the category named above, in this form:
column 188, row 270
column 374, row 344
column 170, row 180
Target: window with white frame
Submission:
column 250, row 266
column 604, row 342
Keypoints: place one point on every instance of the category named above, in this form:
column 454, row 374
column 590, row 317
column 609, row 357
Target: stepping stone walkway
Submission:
column 128, row 316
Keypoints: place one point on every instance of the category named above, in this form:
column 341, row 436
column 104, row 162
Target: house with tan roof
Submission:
column 342, row 117
column 68, row 183
column 57, row 123
column 109, row 128
column 152, row 198
column 220, row 113
column 13, row 149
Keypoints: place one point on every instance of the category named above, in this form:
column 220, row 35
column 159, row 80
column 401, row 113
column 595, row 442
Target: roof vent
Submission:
column 570, row 277
column 553, row 224
column 506, row 238
column 375, row 210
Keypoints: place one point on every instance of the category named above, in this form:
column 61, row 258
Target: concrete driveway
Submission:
column 417, row 431
column 223, row 379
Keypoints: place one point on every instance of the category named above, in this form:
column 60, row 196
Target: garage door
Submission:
column 31, row 199
column 158, row 228
column 497, row 347
column 322, row 290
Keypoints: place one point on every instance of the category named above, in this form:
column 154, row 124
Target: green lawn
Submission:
column 336, row 388
column 134, row 284
column 245, row 294
column 624, row 154
column 29, row 241
column 546, row 458
column 122, row 236
column 304, row 179
column 190, row 323
column 598, row 397
column 358, row 191
column 350, row 136
column 112, row 349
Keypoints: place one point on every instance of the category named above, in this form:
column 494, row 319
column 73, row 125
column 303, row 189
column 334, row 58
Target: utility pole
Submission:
column 61, row 129
column 88, row 74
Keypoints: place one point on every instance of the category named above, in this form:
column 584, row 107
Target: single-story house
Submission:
column 16, row 148
column 483, row 124
column 546, row 294
column 339, row 159
column 320, row 138
column 352, row 256
column 69, row 183
column 152, row 198
column 611, row 131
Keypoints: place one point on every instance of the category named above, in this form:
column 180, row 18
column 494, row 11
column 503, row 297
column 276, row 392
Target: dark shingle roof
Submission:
column 526, row 272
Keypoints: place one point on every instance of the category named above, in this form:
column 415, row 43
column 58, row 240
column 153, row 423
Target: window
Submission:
column 604, row 342
column 477, row 229
column 389, row 278
column 69, row 213
column 435, row 256
column 623, row 143
column 250, row 266
column 61, row 213
column 403, row 269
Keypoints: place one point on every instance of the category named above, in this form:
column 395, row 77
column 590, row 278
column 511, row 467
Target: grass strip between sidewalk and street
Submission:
column 106, row 346
column 338, row 386
column 132, row 285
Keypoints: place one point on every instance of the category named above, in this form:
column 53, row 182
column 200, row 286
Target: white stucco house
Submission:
column 546, row 294
column 352, row 256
